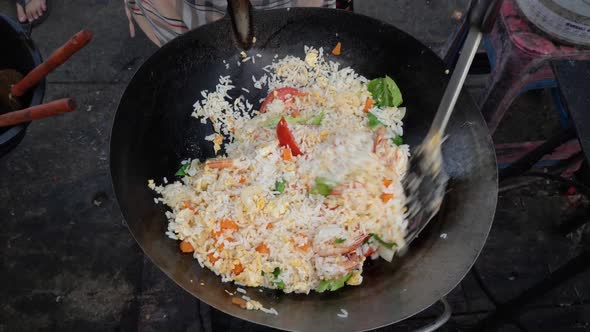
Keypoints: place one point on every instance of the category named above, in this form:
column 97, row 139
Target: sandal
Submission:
column 29, row 25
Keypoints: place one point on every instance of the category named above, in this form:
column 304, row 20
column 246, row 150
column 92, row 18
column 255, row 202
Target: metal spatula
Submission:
column 240, row 12
column 425, row 182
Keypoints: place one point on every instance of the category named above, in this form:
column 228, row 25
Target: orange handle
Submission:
column 38, row 112
column 61, row 55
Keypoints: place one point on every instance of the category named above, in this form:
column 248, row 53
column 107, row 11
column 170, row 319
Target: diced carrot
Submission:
column 295, row 114
column 238, row 301
column 286, row 154
column 386, row 197
column 304, row 246
column 263, row 249
column 185, row 246
column 387, row 182
column 188, row 205
column 369, row 252
column 269, row 226
column 219, row 163
column 212, row 258
column 237, row 269
column 337, row 50
column 229, row 224
column 242, row 179
column 221, row 246
column 368, row 105
column 215, row 234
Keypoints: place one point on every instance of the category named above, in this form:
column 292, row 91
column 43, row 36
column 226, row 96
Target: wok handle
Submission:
column 483, row 14
column 38, row 112
column 61, row 55
column 240, row 12
column 440, row 320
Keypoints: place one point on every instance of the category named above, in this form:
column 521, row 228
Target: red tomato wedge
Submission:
column 280, row 93
column 286, row 138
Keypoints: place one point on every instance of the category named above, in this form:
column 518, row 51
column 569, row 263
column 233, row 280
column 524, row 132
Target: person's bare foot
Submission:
column 32, row 11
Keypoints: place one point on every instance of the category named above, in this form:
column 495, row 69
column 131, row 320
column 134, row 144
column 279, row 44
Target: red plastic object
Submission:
column 61, row 55
column 56, row 107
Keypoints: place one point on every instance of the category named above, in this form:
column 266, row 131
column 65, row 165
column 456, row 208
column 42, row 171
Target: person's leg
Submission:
column 30, row 10
column 135, row 14
column 160, row 20
column 198, row 12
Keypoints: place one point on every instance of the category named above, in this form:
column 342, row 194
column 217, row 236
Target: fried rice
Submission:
column 296, row 216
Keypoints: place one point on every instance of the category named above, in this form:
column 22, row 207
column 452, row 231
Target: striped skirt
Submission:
column 162, row 20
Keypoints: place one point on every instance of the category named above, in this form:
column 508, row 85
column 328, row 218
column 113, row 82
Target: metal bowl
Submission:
column 19, row 53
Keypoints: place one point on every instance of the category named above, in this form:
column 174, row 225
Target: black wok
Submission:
column 153, row 132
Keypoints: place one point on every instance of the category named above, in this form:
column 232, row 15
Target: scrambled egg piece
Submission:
column 217, row 141
column 312, row 58
column 355, row 279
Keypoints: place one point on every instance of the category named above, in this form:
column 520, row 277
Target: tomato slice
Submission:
column 280, row 93
column 286, row 138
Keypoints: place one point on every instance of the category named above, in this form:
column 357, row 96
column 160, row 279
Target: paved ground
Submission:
column 68, row 262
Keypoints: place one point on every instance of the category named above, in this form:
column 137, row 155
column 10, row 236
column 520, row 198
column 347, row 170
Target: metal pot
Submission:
column 19, row 53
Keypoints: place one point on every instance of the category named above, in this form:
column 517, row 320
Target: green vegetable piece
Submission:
column 373, row 120
column 385, row 92
column 383, row 243
column 322, row 187
column 272, row 123
column 276, row 271
column 279, row 283
column 317, row 120
column 339, row 240
column 280, row 186
column 397, row 140
column 323, row 286
column 182, row 170
column 333, row 284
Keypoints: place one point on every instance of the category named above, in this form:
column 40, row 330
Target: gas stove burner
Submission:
column 565, row 20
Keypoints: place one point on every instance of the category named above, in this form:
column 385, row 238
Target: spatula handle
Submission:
column 483, row 14
column 52, row 108
column 61, row 55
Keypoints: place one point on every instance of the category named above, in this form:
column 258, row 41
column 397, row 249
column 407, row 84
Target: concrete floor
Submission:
column 69, row 264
